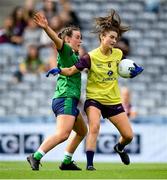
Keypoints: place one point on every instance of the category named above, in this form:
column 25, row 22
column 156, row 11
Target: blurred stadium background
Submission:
column 25, row 106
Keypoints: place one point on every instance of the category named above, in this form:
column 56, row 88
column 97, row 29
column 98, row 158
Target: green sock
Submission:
column 38, row 155
column 67, row 159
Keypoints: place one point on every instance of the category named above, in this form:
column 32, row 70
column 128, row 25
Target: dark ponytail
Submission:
column 110, row 23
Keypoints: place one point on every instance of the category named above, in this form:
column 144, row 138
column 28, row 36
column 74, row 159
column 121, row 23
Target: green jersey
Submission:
column 68, row 86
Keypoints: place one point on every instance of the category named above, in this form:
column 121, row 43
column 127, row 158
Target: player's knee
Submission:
column 63, row 136
column 94, row 129
column 129, row 137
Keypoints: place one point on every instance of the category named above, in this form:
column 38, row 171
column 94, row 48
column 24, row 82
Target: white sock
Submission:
column 68, row 154
column 40, row 151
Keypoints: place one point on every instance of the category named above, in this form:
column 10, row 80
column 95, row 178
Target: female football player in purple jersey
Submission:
column 102, row 91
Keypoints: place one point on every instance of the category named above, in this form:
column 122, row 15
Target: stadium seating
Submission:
column 149, row 91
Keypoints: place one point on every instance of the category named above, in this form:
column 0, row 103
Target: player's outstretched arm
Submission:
column 84, row 62
column 41, row 21
column 69, row 71
column 64, row 71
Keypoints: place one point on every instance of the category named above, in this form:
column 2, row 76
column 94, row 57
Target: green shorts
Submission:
column 65, row 106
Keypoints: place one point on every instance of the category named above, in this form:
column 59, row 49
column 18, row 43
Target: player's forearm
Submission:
column 53, row 35
column 69, row 71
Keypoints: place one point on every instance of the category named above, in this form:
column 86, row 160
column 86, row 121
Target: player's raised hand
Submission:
column 40, row 20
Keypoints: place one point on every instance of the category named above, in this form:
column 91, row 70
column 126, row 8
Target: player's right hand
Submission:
column 53, row 71
column 40, row 19
column 136, row 71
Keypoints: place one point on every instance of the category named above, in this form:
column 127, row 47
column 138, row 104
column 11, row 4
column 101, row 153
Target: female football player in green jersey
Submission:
column 102, row 91
column 65, row 99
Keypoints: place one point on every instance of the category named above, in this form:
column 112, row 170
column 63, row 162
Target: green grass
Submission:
column 49, row 170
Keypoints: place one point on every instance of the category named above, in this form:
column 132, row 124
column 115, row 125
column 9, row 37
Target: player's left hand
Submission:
column 53, row 71
column 136, row 71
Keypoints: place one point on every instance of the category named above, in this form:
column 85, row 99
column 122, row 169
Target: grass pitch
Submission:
column 50, row 170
